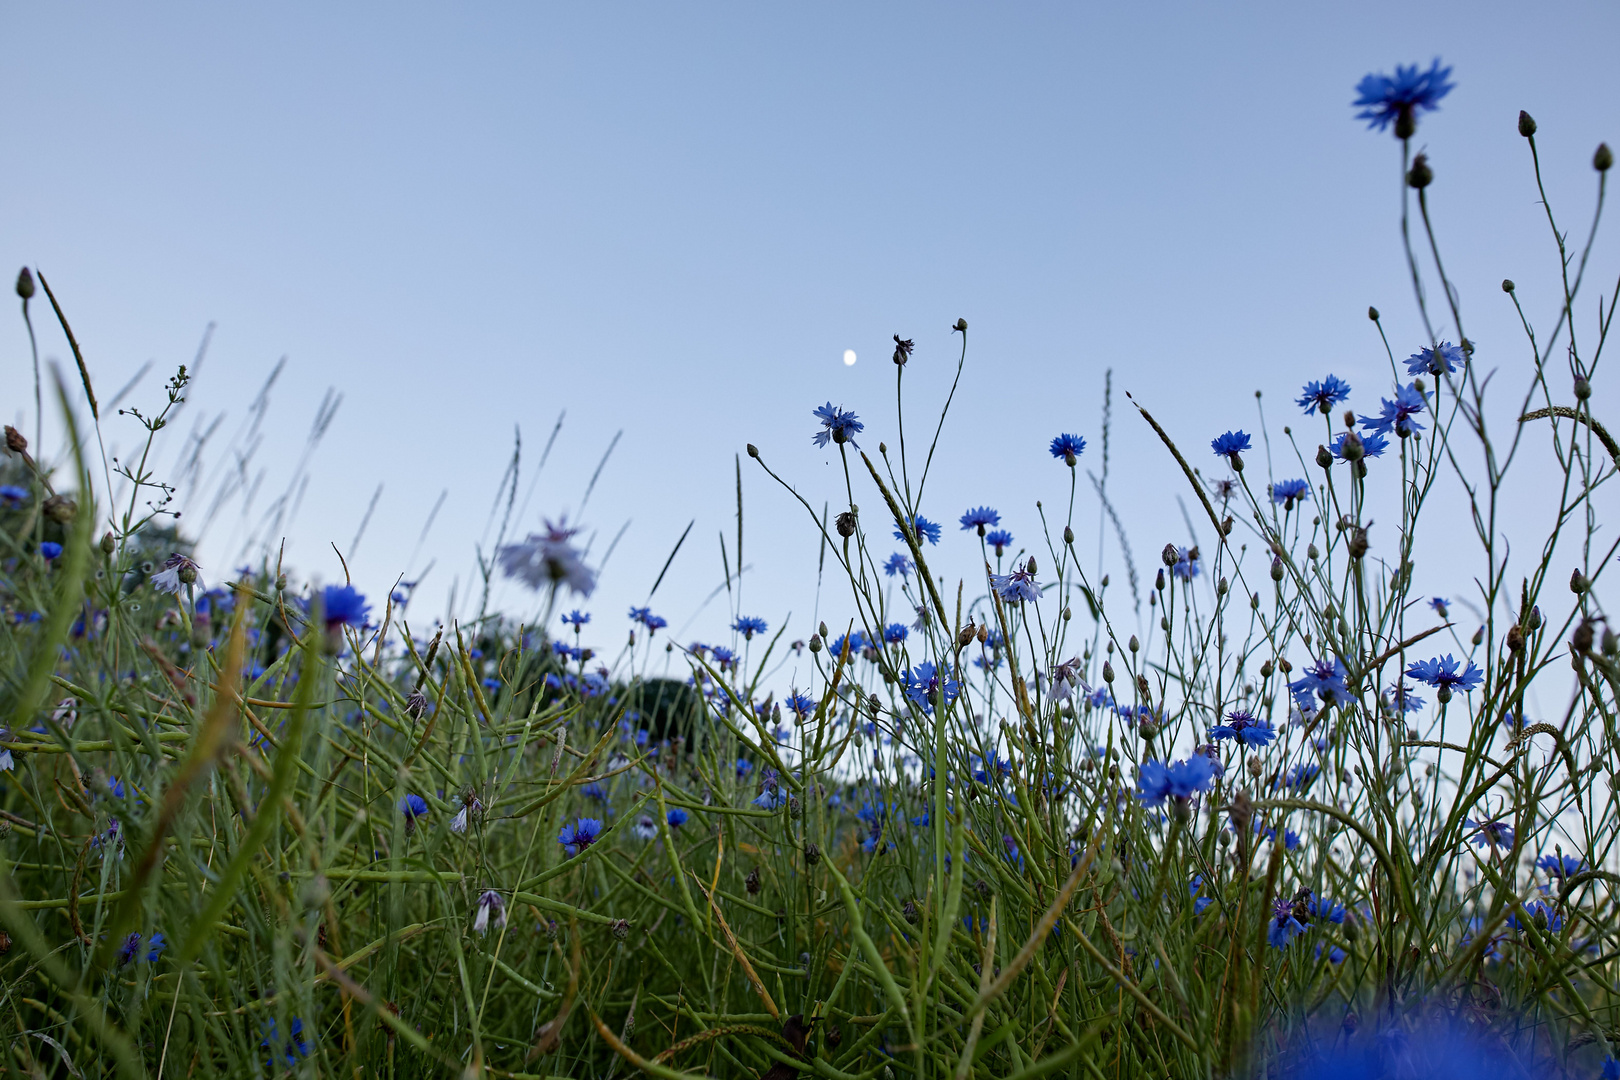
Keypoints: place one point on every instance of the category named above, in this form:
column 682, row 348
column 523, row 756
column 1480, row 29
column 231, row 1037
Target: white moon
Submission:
column 849, row 357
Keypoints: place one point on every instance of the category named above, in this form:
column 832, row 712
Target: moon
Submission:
column 849, row 357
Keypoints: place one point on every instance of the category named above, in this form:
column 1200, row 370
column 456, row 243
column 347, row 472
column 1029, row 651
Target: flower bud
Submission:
column 1266, row 669
column 1602, row 161
column 812, row 854
column 822, row 630
column 108, row 544
column 1254, row 601
column 1031, row 567
column 1532, row 621
column 984, row 633
column 753, row 451
column 1507, row 285
column 60, row 508
column 1276, row 569
column 1254, row 766
column 1104, row 582
column 846, row 524
column 1108, row 673
column 908, row 911
column 15, row 442
column 1583, row 388
column 1146, row 730
column 1067, row 614
column 960, row 326
column 1372, row 313
column 1358, row 544
column 1479, row 636
column 1324, row 457
column 883, row 448
column 1169, row 555
column 1578, row 582
column 1135, row 646
column 1221, row 586
column 1068, row 535
column 1527, row 124
column 25, row 283
column 1611, row 643
column 1226, row 525
column 621, row 928
column 1515, row 638
column 815, row 643
column 1158, row 582
column 1419, row 385
column 1421, row 175
column 1311, row 553
column 965, row 635
column 1581, row 639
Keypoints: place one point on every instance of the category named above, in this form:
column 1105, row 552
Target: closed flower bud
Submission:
column 108, row 544
column 984, row 634
column 1311, row 552
column 1158, row 582
column 1581, row 639
column 1284, row 666
column 1068, row 535
column 1602, row 161
column 1031, row 566
column 1254, row 766
column 1421, row 175
column 1372, row 313
column 1169, row 555
column 1135, row 645
column 1527, row 124
column 1507, row 285
column 1108, row 672
column 1254, row 601
column 812, row 854
column 1532, row 621
column 25, row 283
column 751, row 882
column 1266, row 669
column 1067, row 615
column 1479, row 636
column 966, row 635
column 846, row 524
column 621, row 928
column 1419, row 385
column 1358, row 544
column 1578, row 582
column 15, row 442
column 1276, row 569
column 960, row 326
column 815, row 643
column 1226, row 525
column 1221, row 586
column 1583, row 388
column 60, row 508
column 795, row 808
column 1611, row 643
column 822, row 630
column 1104, row 582
column 1324, row 457
column 753, row 451
column 1515, row 638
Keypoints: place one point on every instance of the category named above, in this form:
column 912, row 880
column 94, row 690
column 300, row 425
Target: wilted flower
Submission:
column 548, row 560
column 177, row 571
column 127, row 951
column 471, row 807
column 490, row 905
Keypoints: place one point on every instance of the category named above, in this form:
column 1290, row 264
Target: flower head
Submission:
column 926, row 685
column 579, row 835
column 294, row 1048
column 1397, row 415
column 1185, row 568
column 548, row 560
column 155, row 946
column 127, row 951
column 894, row 633
column 645, row 828
column 1398, row 98
column 748, row 626
column 1322, row 396
column 1447, row 358
column 1288, row 492
column 1284, row 926
column 1068, row 447
column 489, row 905
column 981, row 518
column 1441, row 673
column 50, row 550
column 12, row 496
column 925, row 529
column 897, row 564
column 676, row 817
column 1178, row 780
column 836, row 426
column 1323, row 677
column 1018, row 585
column 1560, row 865
column 413, row 807
column 344, row 605
column 1245, row 729
column 1000, row 539
column 1491, row 834
column 723, row 657
column 577, row 618
column 902, row 350
column 1399, row 699
column 177, row 571
column 1230, row 445
column 1372, row 445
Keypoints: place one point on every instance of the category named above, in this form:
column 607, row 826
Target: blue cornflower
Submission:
column 1611, row 1069
column 744, row 767
column 801, row 705
column 981, row 518
column 1299, row 777
column 1068, row 447
column 1543, row 915
column 1243, row 727
column 1288, row 492
column 1185, row 568
column 1372, row 444
column 1491, row 834
column 837, row 426
column 1229, row 446
column 748, row 626
column 771, row 795
column 1397, row 415
column 1399, row 97
column 1447, row 358
column 925, row 684
column 925, row 529
column 127, row 951
column 1441, row 673
column 1324, row 678
column 654, row 623
column 1560, row 865
column 894, row 633
column 723, row 657
column 1178, row 780
column 897, row 564
column 676, row 817
column 857, row 643
column 1016, row 586
column 1335, row 954
column 344, row 605
column 295, row 1048
column 1399, row 698
column 579, row 835
column 1440, row 603
column 50, row 550
column 595, row 792
column 1002, row 766
column 1194, row 887
column 645, row 828
column 1000, row 539
column 1322, row 396
column 1284, row 927
column 1320, row 907
column 413, row 807
column 12, row 496
column 873, row 844
column 577, row 619
column 155, row 946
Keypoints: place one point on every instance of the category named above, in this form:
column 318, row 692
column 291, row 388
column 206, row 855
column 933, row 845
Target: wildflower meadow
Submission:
column 1300, row 795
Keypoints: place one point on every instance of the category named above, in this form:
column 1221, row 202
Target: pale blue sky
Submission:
column 674, row 219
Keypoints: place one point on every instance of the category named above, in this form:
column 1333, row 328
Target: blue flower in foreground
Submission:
column 771, row 795
column 1611, row 1069
column 801, row 705
column 344, row 605
column 1560, row 865
column 12, row 496
column 1322, row 396
column 1000, row 539
column 577, row 619
column 578, row 836
column 295, row 1048
column 413, row 807
column 748, row 626
column 1324, row 678
column 836, row 426
column 897, row 564
column 1284, row 927
column 676, row 817
column 981, row 518
column 1372, row 445
column 1447, row 358
column 1288, row 492
column 1194, row 887
column 1016, row 586
column 1397, row 415
column 1068, row 447
column 926, row 684
column 1229, row 446
column 50, row 550
column 1491, row 834
column 1244, row 728
column 1398, row 98
column 155, row 946
column 1179, row 780
column 926, row 530
column 1441, row 673
column 894, row 633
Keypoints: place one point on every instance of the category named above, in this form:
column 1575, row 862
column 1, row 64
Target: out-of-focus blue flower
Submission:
column 926, row 530
column 344, row 605
column 413, row 807
column 981, row 518
column 1385, row 99
column 1399, row 698
column 1492, row 834
column 1335, row 954
column 1441, row 673
column 857, row 642
column 1447, row 358
column 1545, row 917
column 1068, row 447
column 744, row 767
column 1324, row 678
column 1561, row 865
column 1320, row 907
column 925, row 684
column 1178, row 780
column 127, row 951
column 1000, row 539
column 894, row 633
column 1243, row 727
column 645, row 828
column 771, row 795
column 723, row 657
column 1016, row 586
column 577, row 618
column 1397, row 415
column 155, row 946
column 1298, row 777
column 1230, row 445
column 595, row 792
column 836, row 426
column 548, row 560
column 579, row 835
column 801, row 705
column 748, row 626
column 294, row 1048
column 897, row 564
column 1185, row 568
column 1288, row 492
column 1611, row 1069
column 50, row 550
column 1284, row 927
column 1440, row 605
column 1322, row 396
column 12, row 496
column 676, row 817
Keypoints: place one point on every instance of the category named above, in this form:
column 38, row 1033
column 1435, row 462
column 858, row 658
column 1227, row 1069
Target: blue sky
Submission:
column 672, row 221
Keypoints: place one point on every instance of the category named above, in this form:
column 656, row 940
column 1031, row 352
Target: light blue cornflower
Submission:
column 1441, row 673
column 836, row 426
column 1323, row 677
column 1397, row 415
column 748, row 626
column 579, row 835
column 925, row 529
column 1447, row 358
column 897, row 564
column 1322, row 396
column 1015, row 586
column 1288, row 492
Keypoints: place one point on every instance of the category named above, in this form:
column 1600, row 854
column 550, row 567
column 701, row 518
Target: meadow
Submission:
column 1313, row 821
